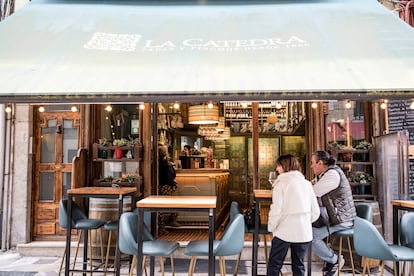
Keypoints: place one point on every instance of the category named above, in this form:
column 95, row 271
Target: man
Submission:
column 332, row 187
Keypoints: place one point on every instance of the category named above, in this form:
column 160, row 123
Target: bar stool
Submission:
column 80, row 222
column 110, row 226
column 363, row 211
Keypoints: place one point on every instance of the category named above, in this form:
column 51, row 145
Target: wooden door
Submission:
column 57, row 136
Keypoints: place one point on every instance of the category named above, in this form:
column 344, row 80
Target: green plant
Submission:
column 362, row 178
column 120, row 142
column 363, row 145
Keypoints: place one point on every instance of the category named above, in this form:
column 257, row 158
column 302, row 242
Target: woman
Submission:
column 167, row 186
column 294, row 207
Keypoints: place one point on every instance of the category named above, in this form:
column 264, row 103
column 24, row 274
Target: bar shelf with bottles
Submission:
column 274, row 116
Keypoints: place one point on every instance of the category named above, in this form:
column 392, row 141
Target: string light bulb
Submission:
column 176, row 105
column 41, row 109
column 383, row 105
column 74, row 108
column 412, row 105
column 210, row 105
column 8, row 109
column 108, row 108
column 142, row 106
column 314, row 105
column 348, row 104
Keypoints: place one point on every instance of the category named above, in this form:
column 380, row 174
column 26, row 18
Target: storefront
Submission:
column 147, row 53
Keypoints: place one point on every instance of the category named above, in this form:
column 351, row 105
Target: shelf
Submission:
column 354, row 163
column 99, row 150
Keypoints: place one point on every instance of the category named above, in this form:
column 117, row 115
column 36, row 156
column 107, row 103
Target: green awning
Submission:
column 136, row 50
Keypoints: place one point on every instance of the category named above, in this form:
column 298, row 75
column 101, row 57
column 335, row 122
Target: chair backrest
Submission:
column 128, row 227
column 368, row 242
column 232, row 241
column 234, row 210
column 77, row 213
column 364, row 211
column 407, row 230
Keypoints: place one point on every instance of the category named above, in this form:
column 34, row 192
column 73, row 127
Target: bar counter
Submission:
column 203, row 182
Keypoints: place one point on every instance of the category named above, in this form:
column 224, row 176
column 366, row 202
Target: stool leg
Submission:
column 350, row 256
column 222, row 266
column 339, row 255
column 77, row 249
column 162, row 265
column 172, row 265
column 236, row 269
column 133, row 264
column 108, row 248
column 192, row 265
column 265, row 250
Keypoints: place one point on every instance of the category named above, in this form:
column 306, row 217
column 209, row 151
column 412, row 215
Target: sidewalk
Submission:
column 14, row 264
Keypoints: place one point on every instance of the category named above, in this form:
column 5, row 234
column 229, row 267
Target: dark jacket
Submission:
column 339, row 202
column 166, row 173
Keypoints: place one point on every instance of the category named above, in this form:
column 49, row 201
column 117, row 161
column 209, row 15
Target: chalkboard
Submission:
column 401, row 117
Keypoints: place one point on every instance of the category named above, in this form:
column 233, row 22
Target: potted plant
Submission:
column 118, row 143
column 362, row 179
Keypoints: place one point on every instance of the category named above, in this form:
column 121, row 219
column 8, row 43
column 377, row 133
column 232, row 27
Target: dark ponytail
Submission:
column 326, row 158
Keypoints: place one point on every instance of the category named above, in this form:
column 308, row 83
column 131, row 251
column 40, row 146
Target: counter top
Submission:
column 201, row 170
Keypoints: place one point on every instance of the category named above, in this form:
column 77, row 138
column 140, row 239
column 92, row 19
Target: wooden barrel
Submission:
column 105, row 209
column 376, row 220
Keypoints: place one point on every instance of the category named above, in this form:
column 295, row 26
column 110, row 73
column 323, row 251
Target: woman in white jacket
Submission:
column 294, row 207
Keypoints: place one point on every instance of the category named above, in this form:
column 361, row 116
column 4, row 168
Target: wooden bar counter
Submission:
column 203, row 182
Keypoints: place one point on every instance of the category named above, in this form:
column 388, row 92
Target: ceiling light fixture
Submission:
column 203, row 115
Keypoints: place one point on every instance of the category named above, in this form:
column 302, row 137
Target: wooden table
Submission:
column 263, row 196
column 397, row 205
column 177, row 203
column 97, row 192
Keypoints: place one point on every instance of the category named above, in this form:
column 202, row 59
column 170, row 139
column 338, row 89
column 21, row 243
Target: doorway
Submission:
column 56, row 141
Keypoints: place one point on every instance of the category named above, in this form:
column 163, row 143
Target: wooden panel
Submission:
column 46, row 228
column 46, row 213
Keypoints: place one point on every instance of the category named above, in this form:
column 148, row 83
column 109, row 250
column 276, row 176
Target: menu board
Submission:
column 401, row 117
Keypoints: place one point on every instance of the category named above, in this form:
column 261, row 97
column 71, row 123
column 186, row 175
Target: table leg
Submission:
column 211, row 237
column 255, row 237
column 85, row 252
column 395, row 233
column 140, row 236
column 117, row 253
column 309, row 259
column 68, row 235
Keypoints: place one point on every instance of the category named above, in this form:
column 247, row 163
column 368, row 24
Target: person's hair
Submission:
column 288, row 162
column 325, row 157
column 162, row 151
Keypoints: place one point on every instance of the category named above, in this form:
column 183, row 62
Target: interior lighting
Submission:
column 8, row 109
column 74, row 108
column 210, row 105
column 108, row 108
column 314, row 105
column 412, row 105
column 176, row 106
column 383, row 105
column 41, row 109
column 142, row 106
column 203, row 115
column 278, row 105
column 348, row 104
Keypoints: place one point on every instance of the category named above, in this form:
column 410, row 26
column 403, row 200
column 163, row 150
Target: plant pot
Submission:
column 361, row 189
column 118, row 153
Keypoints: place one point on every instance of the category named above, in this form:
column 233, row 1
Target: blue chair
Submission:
column 128, row 244
column 231, row 243
column 363, row 211
column 80, row 221
column 407, row 234
column 369, row 243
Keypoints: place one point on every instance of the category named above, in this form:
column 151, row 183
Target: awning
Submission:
column 52, row 51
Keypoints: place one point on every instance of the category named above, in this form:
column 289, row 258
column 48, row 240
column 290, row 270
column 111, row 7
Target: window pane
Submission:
column 66, row 185
column 70, row 141
column 47, row 154
column 47, row 186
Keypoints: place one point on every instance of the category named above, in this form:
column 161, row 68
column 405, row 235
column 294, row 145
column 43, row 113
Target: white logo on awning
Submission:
column 113, row 42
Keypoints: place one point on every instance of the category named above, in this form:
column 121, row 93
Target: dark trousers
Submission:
column 278, row 253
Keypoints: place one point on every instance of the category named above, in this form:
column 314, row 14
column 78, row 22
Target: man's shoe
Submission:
column 332, row 269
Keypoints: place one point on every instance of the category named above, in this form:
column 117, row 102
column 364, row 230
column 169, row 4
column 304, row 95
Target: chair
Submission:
column 407, row 234
column 363, row 211
column 128, row 244
column 369, row 243
column 231, row 243
column 80, row 221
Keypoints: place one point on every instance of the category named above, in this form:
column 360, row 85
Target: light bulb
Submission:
column 108, row 108
column 41, row 108
column 348, row 105
column 314, row 105
column 141, row 106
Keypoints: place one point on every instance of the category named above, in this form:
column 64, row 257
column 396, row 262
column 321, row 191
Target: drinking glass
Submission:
column 272, row 177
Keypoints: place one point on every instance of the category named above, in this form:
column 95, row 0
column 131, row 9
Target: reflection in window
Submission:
column 47, row 186
column 48, row 137
column 66, row 185
column 70, row 141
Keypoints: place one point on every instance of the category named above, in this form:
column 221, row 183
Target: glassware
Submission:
column 272, row 177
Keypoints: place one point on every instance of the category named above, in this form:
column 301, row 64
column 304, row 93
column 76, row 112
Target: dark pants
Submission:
column 278, row 253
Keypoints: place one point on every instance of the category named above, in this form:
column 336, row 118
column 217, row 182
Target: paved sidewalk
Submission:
column 14, row 264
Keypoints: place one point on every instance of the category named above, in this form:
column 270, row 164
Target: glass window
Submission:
column 70, row 141
column 48, row 137
column 47, row 186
